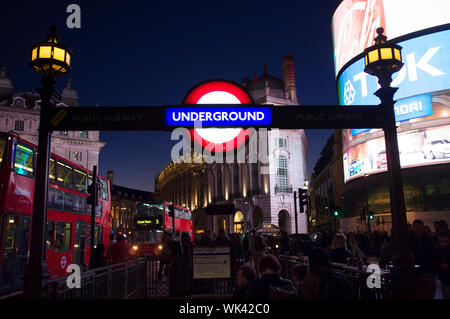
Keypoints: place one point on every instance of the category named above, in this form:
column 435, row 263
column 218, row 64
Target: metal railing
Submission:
column 119, row 281
column 354, row 278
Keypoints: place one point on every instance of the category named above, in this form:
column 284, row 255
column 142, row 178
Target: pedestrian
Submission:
column 119, row 251
column 356, row 252
column 284, row 243
column 221, row 237
column 426, row 256
column 339, row 252
column 166, row 254
column 321, row 282
column 257, row 248
column 444, row 261
column 271, row 285
column 245, row 276
column 298, row 274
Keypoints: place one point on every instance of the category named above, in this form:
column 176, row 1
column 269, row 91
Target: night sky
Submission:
column 143, row 53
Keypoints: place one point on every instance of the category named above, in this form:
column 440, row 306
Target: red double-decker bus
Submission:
column 150, row 222
column 69, row 214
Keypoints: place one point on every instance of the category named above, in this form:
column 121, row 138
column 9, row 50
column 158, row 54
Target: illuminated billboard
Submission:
column 426, row 69
column 422, row 109
column 355, row 22
column 419, row 147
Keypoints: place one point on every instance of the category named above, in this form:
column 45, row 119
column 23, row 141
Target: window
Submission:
column 65, row 175
column 84, row 134
column 63, row 237
column 19, row 125
column 78, row 156
column 219, row 183
column 282, row 171
column 282, row 142
column 80, row 179
column 50, row 235
column 23, row 160
column 52, row 171
column 63, row 133
column 255, row 176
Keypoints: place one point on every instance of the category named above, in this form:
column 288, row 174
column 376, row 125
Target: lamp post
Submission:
column 50, row 59
column 382, row 60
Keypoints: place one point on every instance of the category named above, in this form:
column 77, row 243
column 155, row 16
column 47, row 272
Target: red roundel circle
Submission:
column 218, row 92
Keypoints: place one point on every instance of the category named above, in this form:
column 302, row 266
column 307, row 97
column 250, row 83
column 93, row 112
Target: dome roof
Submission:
column 268, row 80
column 68, row 91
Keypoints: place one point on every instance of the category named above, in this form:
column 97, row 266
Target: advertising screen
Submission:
column 420, row 147
column 355, row 22
column 426, row 69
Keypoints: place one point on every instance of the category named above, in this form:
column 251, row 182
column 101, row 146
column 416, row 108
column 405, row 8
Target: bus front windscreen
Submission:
column 148, row 223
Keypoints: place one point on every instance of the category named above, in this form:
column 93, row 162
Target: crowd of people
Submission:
column 256, row 268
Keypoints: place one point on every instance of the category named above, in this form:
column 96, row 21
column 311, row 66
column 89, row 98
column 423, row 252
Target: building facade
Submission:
column 261, row 192
column 123, row 201
column 20, row 113
column 327, row 185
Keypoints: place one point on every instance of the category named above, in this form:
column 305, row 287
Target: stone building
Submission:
column 20, row 113
column 262, row 192
column 327, row 184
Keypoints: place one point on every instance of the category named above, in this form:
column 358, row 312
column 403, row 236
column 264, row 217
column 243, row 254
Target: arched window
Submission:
column 238, row 221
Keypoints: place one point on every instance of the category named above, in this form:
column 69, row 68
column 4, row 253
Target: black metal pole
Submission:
column 295, row 212
column 402, row 259
column 36, row 271
column 93, row 209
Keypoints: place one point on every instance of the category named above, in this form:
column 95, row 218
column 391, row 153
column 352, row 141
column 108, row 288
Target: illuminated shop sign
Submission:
column 426, row 69
column 218, row 116
column 407, row 109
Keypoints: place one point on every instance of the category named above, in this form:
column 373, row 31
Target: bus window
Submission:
column 65, row 175
column 23, row 160
column 80, row 181
column 63, row 237
column 52, row 171
column 2, row 148
column 50, row 233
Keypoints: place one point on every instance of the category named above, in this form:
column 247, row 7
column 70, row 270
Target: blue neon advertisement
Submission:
column 218, row 116
column 426, row 69
column 407, row 109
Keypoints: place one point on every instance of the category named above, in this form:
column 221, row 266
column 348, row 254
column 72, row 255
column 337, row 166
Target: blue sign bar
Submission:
column 218, row 116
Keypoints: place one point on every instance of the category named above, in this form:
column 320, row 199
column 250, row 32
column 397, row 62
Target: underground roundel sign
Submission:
column 220, row 92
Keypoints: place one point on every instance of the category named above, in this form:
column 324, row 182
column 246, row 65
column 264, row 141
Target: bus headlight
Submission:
column 160, row 247
column 135, row 247
column 276, row 246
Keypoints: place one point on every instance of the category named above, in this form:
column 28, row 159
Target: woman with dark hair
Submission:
column 245, row 276
column 271, row 285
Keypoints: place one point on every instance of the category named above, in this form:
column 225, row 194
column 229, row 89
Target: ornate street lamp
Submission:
column 51, row 59
column 382, row 60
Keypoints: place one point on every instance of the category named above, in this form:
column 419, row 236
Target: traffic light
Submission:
column 170, row 210
column 92, row 198
column 336, row 211
column 303, row 198
column 371, row 217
